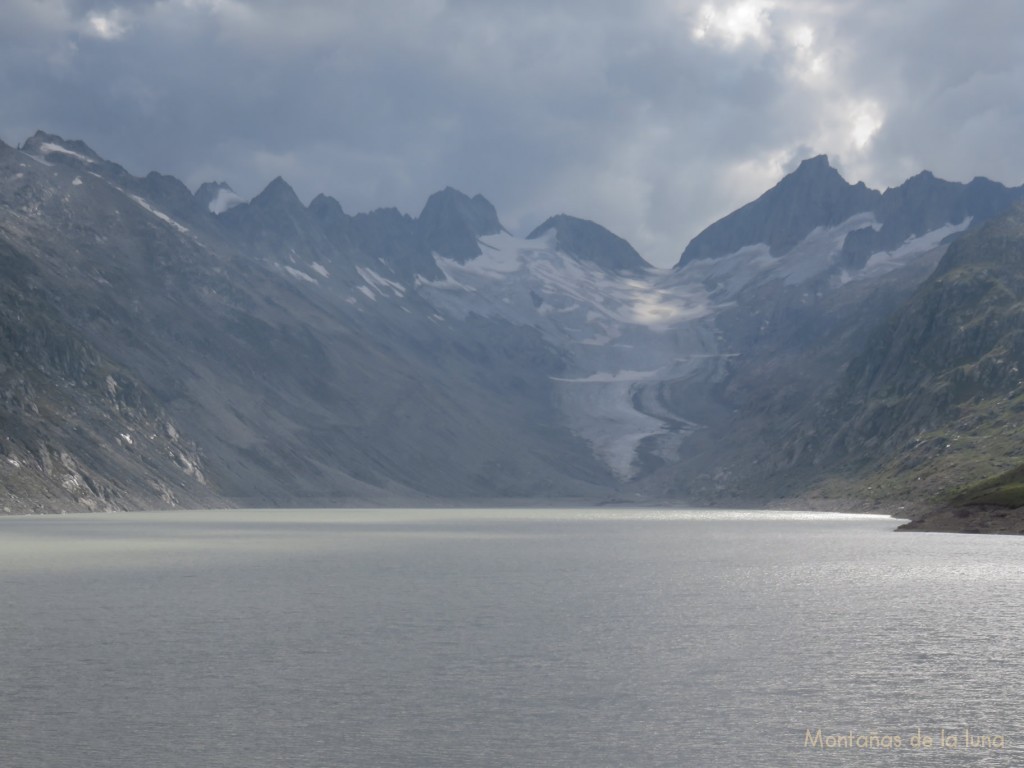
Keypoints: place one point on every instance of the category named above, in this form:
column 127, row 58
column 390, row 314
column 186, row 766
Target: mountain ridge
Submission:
column 816, row 195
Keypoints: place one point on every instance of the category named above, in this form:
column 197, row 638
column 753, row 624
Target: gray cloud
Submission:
column 653, row 118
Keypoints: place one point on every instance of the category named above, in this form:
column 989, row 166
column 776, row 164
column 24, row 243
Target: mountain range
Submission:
column 826, row 343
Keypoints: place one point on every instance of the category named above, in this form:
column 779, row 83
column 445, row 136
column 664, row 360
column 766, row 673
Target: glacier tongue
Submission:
column 623, row 334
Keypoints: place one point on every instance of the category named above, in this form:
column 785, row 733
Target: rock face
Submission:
column 591, row 242
column 79, row 430
column 452, row 223
column 163, row 348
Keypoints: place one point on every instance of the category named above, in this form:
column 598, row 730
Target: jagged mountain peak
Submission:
column 278, row 193
column 164, row 184
column 168, row 193
column 812, row 176
column 815, row 173
column 276, row 215
column 476, row 212
column 451, row 223
column 925, row 202
column 588, row 241
column 388, row 214
column 818, row 165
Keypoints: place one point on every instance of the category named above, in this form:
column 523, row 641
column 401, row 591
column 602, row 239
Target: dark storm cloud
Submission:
column 652, row 118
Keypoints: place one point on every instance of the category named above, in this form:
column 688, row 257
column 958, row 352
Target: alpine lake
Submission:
column 508, row 637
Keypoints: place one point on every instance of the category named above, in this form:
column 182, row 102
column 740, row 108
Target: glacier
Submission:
column 626, row 335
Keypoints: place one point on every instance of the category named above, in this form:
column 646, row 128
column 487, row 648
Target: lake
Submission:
column 584, row 638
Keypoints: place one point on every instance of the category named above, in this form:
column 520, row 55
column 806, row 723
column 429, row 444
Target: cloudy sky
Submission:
column 652, row 117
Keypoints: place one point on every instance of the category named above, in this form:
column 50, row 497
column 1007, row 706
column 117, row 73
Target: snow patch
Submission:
column 886, row 261
column 531, row 269
column 320, row 269
column 618, row 376
column 813, row 256
column 444, row 284
column 381, row 284
column 298, row 274
column 162, row 216
column 49, row 148
column 367, row 292
column 76, row 182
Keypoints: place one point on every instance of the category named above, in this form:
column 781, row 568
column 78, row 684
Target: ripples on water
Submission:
column 583, row 638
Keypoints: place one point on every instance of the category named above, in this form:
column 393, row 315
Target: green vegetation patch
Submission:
column 1005, row 490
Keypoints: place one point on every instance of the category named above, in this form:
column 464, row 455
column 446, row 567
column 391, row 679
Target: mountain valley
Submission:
column 826, row 344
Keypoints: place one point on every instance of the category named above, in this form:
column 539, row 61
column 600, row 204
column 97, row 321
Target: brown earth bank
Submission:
column 975, row 518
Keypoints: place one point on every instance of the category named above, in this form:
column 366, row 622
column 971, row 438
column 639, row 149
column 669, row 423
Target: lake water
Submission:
column 583, row 638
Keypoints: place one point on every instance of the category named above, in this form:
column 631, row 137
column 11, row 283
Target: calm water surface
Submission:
column 579, row 638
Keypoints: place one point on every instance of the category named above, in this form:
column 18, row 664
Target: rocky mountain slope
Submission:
column 296, row 364
column 163, row 348
column 937, row 396
column 797, row 318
